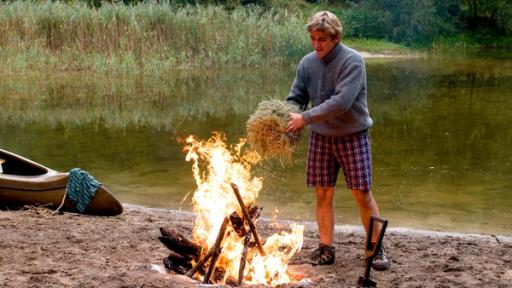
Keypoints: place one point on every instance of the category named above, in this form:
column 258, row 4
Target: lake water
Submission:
column 441, row 138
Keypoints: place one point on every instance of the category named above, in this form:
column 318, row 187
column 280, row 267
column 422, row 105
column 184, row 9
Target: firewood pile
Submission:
column 190, row 259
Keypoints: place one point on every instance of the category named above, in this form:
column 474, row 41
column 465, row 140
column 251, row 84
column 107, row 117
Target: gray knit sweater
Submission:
column 336, row 87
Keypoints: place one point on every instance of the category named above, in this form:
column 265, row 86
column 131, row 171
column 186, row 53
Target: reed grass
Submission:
column 144, row 37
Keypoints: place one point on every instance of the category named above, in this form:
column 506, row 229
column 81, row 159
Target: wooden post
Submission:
column 248, row 218
column 255, row 213
column 216, row 250
column 213, row 249
column 200, row 263
column 247, row 239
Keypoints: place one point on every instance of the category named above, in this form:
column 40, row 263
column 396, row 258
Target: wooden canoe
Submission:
column 25, row 182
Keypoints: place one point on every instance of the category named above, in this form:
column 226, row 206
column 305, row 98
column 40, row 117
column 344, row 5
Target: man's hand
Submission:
column 295, row 122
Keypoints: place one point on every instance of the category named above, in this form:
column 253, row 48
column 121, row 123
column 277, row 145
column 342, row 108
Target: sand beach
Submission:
column 38, row 249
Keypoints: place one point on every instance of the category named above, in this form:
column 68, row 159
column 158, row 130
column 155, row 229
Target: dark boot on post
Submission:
column 380, row 261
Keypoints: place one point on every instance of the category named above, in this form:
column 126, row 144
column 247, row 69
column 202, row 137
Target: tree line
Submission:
column 422, row 22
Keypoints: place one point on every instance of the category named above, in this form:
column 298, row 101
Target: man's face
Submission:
column 322, row 42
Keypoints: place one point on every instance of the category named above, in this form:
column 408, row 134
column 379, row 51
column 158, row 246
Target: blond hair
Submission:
column 325, row 21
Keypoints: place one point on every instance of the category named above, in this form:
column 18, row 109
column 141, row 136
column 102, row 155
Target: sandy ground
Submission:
column 38, row 249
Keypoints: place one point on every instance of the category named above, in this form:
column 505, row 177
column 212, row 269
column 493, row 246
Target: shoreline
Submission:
column 75, row 250
column 390, row 55
column 357, row 229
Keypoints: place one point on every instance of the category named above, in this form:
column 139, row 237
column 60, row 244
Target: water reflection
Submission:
column 440, row 138
column 157, row 102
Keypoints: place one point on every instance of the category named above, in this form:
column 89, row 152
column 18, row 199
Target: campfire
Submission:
column 226, row 247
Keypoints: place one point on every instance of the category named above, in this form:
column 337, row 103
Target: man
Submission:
column 333, row 79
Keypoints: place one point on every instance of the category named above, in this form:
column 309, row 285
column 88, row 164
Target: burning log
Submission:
column 237, row 222
column 247, row 217
column 184, row 251
column 180, row 259
column 217, row 248
column 177, row 263
column 200, row 263
column 179, row 243
column 255, row 213
column 214, row 252
column 247, row 240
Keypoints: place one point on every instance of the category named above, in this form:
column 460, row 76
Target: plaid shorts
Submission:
column 352, row 153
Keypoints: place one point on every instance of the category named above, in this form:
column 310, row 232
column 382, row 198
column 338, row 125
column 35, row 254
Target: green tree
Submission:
column 406, row 21
column 420, row 22
column 489, row 16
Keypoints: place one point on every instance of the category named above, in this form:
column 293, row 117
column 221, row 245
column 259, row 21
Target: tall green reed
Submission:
column 42, row 36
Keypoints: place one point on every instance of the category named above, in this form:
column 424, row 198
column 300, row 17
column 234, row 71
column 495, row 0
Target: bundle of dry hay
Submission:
column 266, row 130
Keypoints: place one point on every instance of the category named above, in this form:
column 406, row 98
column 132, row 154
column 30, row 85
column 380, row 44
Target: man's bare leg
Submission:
column 325, row 253
column 367, row 208
column 325, row 214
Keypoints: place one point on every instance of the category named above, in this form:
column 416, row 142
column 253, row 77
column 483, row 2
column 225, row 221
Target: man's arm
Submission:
column 298, row 92
column 300, row 96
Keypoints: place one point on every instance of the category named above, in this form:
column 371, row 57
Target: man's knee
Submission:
column 363, row 198
column 324, row 195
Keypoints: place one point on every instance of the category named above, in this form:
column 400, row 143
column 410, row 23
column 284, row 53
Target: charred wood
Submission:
column 217, row 249
column 179, row 243
column 211, row 252
column 181, row 260
column 218, row 275
column 243, row 260
column 200, row 263
column 231, row 281
column 238, row 224
column 247, row 218
column 254, row 211
column 177, row 268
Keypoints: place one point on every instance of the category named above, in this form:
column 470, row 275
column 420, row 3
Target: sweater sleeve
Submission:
column 349, row 83
column 298, row 92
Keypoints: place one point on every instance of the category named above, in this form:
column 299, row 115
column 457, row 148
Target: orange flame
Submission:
column 215, row 168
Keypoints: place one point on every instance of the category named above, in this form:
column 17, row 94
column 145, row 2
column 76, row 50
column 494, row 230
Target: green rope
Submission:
column 81, row 188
